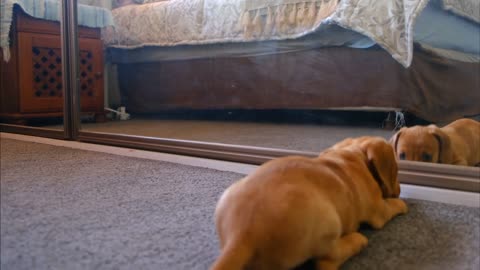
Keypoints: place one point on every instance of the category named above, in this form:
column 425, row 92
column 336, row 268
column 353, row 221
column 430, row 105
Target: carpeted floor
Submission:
column 70, row 209
column 301, row 137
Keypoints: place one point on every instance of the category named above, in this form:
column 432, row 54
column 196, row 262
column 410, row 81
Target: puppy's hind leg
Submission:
column 344, row 248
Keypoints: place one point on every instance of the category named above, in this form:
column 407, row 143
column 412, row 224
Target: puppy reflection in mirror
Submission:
column 457, row 143
column 293, row 209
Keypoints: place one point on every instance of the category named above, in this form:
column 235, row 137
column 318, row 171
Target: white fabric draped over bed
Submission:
column 469, row 9
column 261, row 17
column 180, row 22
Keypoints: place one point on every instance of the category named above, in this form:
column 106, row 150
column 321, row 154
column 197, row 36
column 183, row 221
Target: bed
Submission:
column 416, row 56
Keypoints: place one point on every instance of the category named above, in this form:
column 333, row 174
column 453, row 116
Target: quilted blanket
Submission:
column 469, row 9
column 389, row 23
column 179, row 22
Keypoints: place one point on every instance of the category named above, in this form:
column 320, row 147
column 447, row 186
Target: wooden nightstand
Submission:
column 31, row 82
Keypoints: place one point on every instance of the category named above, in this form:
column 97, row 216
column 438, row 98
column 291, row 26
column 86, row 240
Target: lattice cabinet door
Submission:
column 40, row 73
column 40, row 68
column 91, row 75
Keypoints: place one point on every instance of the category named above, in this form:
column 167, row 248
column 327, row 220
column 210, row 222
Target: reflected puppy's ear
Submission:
column 394, row 139
column 382, row 165
column 445, row 154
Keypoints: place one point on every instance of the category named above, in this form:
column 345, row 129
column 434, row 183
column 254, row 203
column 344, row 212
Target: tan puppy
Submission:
column 457, row 143
column 295, row 208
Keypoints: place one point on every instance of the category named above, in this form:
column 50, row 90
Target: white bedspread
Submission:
column 179, row 22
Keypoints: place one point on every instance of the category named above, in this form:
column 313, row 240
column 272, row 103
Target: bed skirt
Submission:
column 433, row 88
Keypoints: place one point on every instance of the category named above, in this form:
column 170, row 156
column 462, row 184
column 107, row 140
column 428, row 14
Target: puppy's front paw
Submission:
column 398, row 205
column 403, row 207
column 362, row 241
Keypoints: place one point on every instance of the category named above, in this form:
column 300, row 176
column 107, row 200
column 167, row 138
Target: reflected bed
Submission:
column 310, row 64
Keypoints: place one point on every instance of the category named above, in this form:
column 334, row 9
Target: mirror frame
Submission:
column 414, row 173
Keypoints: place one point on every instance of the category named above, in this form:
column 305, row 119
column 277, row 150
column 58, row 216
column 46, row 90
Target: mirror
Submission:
column 31, row 87
column 294, row 75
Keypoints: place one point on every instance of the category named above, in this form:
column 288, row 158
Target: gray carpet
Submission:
column 301, row 137
column 71, row 209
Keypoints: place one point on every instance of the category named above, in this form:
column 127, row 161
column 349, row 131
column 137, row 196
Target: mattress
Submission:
column 327, row 35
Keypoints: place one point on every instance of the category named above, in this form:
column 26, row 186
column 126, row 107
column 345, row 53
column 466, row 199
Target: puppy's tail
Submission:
column 235, row 256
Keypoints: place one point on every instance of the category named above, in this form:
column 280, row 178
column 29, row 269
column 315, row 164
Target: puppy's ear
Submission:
column 445, row 154
column 345, row 143
column 383, row 166
column 394, row 140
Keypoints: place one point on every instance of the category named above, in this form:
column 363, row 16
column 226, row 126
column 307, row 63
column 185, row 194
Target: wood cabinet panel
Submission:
column 31, row 82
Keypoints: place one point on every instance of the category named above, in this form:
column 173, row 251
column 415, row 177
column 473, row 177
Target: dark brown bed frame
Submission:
column 432, row 88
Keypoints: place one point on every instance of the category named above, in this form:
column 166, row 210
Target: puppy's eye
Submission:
column 402, row 156
column 426, row 157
